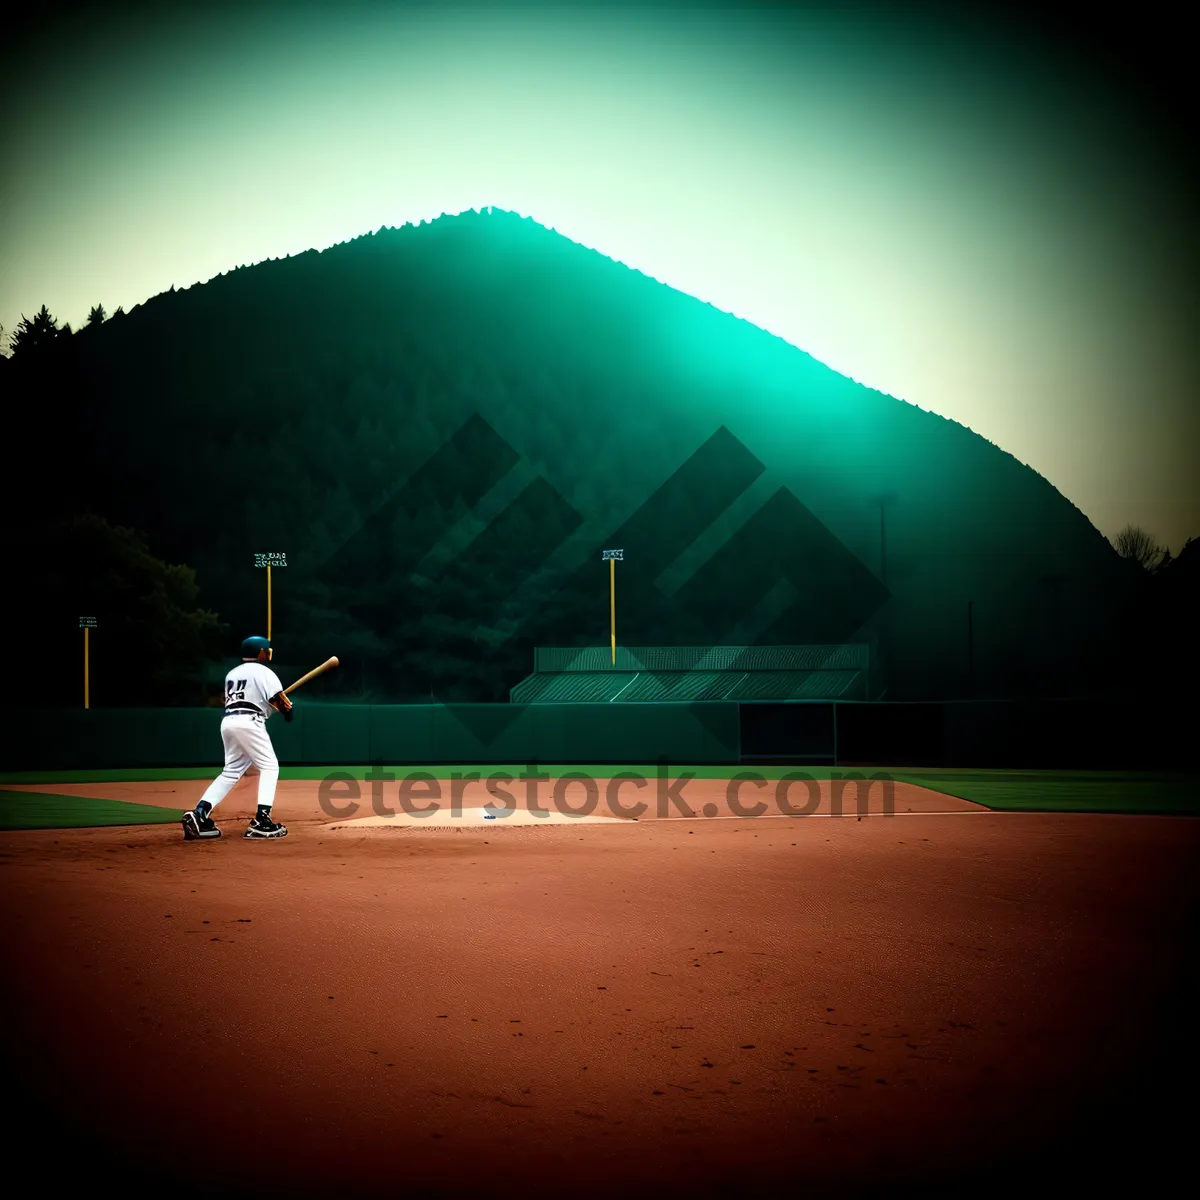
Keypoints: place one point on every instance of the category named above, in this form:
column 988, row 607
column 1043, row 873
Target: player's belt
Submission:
column 244, row 710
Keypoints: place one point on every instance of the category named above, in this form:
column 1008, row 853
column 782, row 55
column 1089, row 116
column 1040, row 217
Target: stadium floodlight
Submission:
column 612, row 557
column 269, row 560
column 87, row 624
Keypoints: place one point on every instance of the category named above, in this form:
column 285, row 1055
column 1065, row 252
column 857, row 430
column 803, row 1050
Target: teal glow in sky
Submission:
column 955, row 219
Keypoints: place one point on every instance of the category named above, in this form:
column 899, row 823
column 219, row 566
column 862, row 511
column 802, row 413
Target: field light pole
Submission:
column 86, row 624
column 269, row 561
column 612, row 557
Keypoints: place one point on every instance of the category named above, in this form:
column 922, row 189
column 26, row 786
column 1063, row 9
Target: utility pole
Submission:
column 885, row 500
column 971, row 648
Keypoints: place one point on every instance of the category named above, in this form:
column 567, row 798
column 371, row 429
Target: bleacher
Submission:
column 587, row 675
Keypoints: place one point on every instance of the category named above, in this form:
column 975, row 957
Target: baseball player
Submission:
column 252, row 693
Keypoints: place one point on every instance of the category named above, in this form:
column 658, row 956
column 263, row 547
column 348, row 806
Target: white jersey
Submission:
column 249, row 687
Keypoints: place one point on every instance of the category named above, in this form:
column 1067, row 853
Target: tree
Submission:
column 152, row 638
column 1136, row 545
column 97, row 315
column 32, row 336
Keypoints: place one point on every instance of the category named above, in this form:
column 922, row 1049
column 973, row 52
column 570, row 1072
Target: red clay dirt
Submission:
column 719, row 1007
column 299, row 800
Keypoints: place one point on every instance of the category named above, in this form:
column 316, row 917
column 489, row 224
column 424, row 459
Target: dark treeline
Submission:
column 442, row 426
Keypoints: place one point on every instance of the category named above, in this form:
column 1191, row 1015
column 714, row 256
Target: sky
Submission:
column 981, row 216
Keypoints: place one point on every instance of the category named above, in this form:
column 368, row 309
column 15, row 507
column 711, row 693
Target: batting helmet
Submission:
column 252, row 647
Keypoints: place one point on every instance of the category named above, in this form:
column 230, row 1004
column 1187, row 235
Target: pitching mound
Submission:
column 469, row 818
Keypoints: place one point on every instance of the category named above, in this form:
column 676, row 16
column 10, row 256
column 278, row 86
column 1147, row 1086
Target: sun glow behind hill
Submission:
column 942, row 215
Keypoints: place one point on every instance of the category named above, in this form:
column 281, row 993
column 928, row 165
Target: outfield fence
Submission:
column 1048, row 733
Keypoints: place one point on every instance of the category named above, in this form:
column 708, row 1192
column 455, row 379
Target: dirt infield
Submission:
column 298, row 801
column 712, row 1006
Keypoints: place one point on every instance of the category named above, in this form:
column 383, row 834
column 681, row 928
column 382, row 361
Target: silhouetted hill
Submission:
column 443, row 425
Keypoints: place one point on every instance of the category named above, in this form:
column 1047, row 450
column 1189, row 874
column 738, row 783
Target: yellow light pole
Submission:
column 269, row 561
column 87, row 624
column 612, row 557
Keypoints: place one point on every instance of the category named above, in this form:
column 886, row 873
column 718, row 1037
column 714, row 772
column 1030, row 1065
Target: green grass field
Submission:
column 1147, row 793
column 1134, row 792
column 40, row 810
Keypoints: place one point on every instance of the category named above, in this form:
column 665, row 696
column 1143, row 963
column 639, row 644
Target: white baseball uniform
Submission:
column 248, row 690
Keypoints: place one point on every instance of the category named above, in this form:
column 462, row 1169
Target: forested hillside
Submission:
column 442, row 426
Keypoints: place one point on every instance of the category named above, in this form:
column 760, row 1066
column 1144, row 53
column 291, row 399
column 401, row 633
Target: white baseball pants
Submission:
column 247, row 744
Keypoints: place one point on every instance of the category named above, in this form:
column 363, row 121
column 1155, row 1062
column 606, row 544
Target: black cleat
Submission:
column 261, row 826
column 199, row 825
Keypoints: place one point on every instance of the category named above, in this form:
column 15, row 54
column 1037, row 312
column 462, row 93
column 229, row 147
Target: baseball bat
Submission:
column 325, row 666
